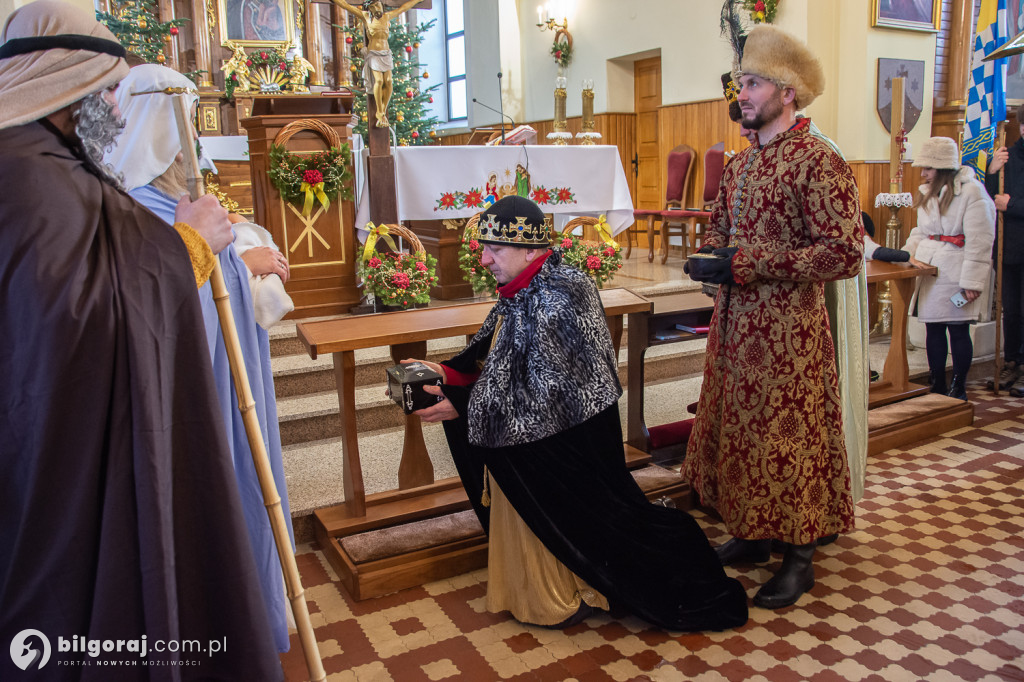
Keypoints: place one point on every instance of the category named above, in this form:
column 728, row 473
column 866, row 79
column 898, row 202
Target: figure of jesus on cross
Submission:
column 378, row 60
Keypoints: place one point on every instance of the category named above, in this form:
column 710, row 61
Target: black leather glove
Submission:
column 720, row 271
column 890, row 255
column 703, row 249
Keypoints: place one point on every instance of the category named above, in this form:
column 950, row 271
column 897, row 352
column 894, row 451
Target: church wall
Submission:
column 686, row 33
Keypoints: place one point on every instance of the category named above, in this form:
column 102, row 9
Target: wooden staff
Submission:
column 247, row 406
column 1000, row 142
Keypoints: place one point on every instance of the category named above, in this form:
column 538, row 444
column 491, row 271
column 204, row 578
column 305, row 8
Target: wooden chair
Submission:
column 689, row 219
column 680, row 172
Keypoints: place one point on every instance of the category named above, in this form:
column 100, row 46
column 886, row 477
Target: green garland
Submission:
column 289, row 171
column 562, row 52
column 479, row 277
column 399, row 279
column 599, row 260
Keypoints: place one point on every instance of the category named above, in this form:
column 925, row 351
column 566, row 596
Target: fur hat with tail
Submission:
column 773, row 54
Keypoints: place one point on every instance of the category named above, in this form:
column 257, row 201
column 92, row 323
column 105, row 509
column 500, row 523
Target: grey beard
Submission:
column 97, row 129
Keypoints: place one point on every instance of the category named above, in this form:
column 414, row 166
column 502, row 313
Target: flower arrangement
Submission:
column 267, row 69
column 396, row 278
column 303, row 179
column 479, row 277
column 762, row 11
column 562, row 52
column 601, row 260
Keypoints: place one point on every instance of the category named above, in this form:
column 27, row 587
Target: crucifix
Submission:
column 377, row 65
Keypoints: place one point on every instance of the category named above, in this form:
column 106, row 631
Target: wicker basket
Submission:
column 329, row 134
column 415, row 245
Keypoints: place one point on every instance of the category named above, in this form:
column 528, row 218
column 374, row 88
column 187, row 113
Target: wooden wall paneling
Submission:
column 700, row 125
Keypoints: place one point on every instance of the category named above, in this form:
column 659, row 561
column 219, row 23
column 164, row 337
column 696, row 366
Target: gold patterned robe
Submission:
column 767, row 449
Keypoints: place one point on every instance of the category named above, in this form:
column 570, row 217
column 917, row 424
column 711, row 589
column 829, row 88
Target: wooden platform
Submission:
column 896, row 424
column 448, row 554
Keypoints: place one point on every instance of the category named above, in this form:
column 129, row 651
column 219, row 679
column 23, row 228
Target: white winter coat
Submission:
column 971, row 214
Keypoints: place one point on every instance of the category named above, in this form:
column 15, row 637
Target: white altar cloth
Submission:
column 436, row 183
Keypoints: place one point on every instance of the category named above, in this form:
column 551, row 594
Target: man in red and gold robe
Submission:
column 767, row 450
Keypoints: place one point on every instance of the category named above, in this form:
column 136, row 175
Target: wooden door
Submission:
column 647, row 102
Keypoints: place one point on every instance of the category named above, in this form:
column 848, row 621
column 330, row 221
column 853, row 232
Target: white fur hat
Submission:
column 773, row 54
column 938, row 152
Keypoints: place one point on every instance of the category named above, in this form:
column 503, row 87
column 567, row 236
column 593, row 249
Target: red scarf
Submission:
column 522, row 280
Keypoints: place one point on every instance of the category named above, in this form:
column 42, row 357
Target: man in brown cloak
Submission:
column 124, row 551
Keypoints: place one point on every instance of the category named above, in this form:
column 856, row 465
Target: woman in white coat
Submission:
column 955, row 230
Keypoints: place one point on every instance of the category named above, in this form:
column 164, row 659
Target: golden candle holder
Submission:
column 560, row 135
column 587, row 135
column 891, row 240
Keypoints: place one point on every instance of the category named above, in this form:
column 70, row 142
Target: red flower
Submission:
column 448, row 200
column 474, row 244
column 609, row 252
column 594, row 262
column 564, row 195
column 312, row 177
column 421, row 266
column 374, row 262
column 400, row 280
column 473, row 197
column 541, row 196
column 558, row 55
column 759, row 6
column 567, row 243
column 263, row 55
column 248, row 62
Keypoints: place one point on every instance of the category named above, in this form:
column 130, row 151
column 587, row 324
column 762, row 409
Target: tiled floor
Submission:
column 929, row 587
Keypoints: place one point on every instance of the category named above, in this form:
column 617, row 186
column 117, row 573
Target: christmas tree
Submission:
column 136, row 27
column 406, row 110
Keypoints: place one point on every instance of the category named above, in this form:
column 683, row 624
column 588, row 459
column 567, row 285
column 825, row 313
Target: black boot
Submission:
column 957, row 389
column 739, row 551
column 794, row 578
column 938, row 382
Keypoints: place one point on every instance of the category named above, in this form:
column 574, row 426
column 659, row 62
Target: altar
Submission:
column 438, row 188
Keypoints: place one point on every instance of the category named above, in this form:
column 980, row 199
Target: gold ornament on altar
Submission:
column 588, row 135
column 298, row 72
column 560, row 136
column 213, row 188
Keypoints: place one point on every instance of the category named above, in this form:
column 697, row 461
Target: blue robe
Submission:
column 256, row 351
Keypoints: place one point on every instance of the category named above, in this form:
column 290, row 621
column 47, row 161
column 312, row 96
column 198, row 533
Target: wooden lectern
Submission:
column 321, row 249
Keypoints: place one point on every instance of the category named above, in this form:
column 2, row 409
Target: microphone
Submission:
column 501, row 105
column 502, row 113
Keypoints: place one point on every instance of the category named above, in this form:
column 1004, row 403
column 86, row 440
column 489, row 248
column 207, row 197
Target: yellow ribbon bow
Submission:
column 605, row 232
column 376, row 232
column 316, row 190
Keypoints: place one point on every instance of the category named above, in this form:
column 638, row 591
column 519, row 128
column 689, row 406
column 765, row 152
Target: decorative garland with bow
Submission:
column 304, row 180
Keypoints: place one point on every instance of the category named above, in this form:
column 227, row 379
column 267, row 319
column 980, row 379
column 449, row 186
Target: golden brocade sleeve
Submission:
column 198, row 251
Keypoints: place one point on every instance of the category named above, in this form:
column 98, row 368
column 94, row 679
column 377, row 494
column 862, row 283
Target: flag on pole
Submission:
column 986, row 92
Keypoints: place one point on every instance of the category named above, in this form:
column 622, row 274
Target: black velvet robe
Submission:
column 574, row 492
column 119, row 513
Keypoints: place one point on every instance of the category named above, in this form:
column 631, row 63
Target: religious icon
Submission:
column 378, row 59
column 256, row 22
column 918, row 15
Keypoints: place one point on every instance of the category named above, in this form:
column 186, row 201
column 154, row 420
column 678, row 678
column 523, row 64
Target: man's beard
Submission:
column 769, row 111
column 97, row 129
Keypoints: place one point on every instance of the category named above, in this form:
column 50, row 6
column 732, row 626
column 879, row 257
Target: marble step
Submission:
column 313, row 415
column 313, row 469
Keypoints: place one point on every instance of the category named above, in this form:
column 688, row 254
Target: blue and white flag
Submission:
column 986, row 93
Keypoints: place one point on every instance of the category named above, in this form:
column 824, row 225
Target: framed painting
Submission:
column 912, row 15
column 255, row 23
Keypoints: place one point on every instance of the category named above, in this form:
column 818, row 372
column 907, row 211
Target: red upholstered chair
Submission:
column 672, row 435
column 688, row 219
column 680, row 171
